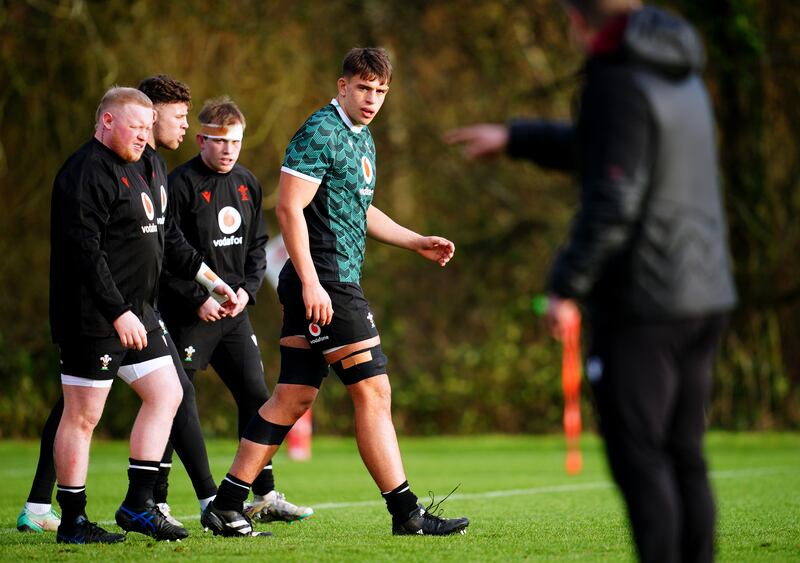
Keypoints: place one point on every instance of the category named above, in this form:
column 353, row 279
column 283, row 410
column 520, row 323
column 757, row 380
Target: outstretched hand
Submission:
column 479, row 141
column 437, row 249
column 561, row 316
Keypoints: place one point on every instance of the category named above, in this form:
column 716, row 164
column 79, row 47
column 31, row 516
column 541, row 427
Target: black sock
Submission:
column 161, row 488
column 142, row 477
column 265, row 481
column 231, row 494
column 45, row 478
column 400, row 501
column 72, row 501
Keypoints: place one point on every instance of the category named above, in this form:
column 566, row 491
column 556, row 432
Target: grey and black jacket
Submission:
column 649, row 240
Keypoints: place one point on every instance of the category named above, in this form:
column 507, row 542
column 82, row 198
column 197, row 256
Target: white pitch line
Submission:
column 568, row 488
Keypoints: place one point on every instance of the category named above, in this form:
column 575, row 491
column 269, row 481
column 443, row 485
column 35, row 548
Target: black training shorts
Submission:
column 199, row 342
column 353, row 321
column 102, row 359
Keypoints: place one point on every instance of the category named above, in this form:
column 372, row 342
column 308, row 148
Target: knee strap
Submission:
column 264, row 432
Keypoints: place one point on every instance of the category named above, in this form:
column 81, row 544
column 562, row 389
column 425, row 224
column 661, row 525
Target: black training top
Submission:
column 179, row 255
column 220, row 215
column 107, row 241
column 650, row 238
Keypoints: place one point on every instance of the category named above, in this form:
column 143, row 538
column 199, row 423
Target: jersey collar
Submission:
column 343, row 115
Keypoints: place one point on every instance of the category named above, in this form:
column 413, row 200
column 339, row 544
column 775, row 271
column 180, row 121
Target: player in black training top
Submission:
column 171, row 100
column 107, row 249
column 217, row 204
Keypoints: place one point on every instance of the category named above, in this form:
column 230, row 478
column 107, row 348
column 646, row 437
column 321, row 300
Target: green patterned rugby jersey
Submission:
column 339, row 156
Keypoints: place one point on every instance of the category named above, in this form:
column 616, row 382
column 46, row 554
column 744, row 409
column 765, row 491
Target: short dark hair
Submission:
column 163, row 89
column 221, row 111
column 371, row 63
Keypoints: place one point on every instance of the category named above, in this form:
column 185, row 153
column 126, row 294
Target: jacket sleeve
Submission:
column 181, row 260
column 616, row 155
column 85, row 214
column 255, row 263
column 550, row 144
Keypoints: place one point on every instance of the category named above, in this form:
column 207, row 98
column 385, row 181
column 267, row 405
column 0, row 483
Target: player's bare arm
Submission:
column 383, row 228
column 294, row 194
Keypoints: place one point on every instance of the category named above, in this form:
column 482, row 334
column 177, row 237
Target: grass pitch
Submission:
column 513, row 488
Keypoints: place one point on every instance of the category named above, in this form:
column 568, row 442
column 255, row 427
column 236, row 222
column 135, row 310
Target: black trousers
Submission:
column 652, row 382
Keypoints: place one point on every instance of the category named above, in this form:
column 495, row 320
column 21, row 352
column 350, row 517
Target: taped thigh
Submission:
column 361, row 364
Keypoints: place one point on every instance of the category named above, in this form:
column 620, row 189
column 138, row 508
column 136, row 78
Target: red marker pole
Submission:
column 571, row 385
column 298, row 440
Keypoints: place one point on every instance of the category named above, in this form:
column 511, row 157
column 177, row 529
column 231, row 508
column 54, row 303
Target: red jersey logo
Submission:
column 125, row 181
column 243, row 191
column 206, row 196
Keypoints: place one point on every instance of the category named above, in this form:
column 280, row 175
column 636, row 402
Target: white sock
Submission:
column 204, row 502
column 38, row 508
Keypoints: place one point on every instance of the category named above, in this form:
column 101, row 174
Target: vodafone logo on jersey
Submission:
column 149, row 210
column 366, row 168
column 163, row 199
column 229, row 220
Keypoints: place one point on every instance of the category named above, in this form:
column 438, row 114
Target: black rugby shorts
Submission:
column 353, row 321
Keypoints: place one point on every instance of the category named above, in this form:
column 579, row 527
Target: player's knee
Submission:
column 291, row 402
column 374, row 393
column 173, row 398
column 84, row 420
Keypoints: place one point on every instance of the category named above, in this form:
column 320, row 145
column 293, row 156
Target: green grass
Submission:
column 514, row 489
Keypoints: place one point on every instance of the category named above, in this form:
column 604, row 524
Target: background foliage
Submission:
column 466, row 353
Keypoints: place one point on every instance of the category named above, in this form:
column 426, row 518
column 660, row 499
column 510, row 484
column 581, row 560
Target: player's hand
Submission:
column 242, row 298
column 131, row 331
column 561, row 316
column 319, row 308
column 437, row 249
column 228, row 296
column 210, row 311
column 479, row 141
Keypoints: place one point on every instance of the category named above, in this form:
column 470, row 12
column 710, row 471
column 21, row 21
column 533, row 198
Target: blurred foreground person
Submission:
column 647, row 255
column 325, row 211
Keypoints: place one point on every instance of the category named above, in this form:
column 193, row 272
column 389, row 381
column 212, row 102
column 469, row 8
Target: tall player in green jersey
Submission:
column 325, row 211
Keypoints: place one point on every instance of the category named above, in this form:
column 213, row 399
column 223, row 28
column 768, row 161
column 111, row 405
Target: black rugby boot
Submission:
column 82, row 531
column 228, row 523
column 150, row 522
column 424, row 523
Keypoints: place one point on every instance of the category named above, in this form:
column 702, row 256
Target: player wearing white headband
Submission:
column 217, row 204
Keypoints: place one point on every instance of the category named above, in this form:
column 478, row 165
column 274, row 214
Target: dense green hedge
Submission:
column 466, row 353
